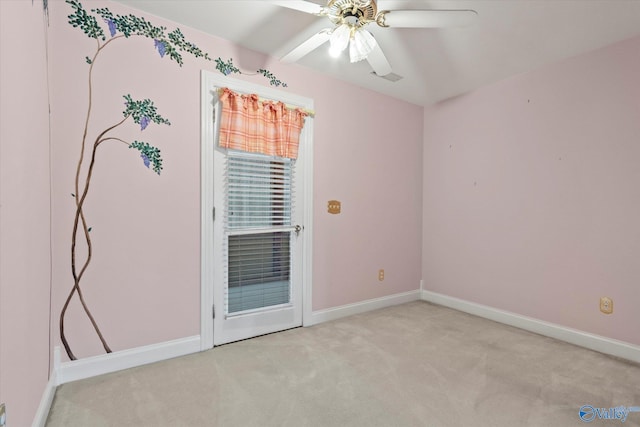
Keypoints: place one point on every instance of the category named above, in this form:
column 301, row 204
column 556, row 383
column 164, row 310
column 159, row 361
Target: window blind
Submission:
column 259, row 190
column 258, row 229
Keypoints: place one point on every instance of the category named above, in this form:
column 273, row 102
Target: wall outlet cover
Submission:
column 606, row 305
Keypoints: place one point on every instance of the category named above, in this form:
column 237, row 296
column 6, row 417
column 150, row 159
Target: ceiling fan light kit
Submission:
column 339, row 39
column 360, row 42
column 361, row 45
column 349, row 18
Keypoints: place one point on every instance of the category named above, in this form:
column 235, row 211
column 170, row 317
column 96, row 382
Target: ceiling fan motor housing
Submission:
column 339, row 11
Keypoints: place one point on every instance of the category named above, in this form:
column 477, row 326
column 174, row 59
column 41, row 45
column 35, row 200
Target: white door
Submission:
column 256, row 266
column 258, row 233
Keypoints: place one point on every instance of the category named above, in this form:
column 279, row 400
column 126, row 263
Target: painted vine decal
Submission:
column 142, row 112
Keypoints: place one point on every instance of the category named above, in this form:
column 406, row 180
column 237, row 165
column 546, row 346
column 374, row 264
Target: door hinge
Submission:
column 214, row 213
column 213, row 309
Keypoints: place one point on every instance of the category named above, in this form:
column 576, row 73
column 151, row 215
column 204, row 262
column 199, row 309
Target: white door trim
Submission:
column 209, row 81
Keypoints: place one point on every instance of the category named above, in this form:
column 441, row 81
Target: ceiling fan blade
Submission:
column 301, row 5
column 307, row 46
column 378, row 61
column 428, row 18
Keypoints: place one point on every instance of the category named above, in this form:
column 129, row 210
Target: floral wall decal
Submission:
column 106, row 28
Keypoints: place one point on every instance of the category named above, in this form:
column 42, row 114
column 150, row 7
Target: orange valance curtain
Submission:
column 266, row 127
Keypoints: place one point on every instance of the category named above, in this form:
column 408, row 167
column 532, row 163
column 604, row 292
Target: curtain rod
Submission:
column 310, row 113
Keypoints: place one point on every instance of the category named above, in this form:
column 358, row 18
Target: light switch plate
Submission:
column 334, row 207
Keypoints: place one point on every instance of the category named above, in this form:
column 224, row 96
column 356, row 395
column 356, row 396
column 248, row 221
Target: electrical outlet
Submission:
column 381, row 275
column 606, row 305
column 3, row 415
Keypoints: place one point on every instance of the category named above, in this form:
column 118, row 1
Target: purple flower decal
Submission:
column 112, row 26
column 159, row 44
column 144, row 122
column 146, row 160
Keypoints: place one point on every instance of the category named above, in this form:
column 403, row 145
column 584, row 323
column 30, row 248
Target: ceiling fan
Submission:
column 350, row 18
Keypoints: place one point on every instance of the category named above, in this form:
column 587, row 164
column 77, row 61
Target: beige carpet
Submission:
column 415, row 364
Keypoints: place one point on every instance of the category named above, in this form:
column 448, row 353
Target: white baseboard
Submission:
column 119, row 360
column 321, row 316
column 591, row 341
column 42, row 413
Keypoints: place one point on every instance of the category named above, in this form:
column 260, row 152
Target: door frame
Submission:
column 209, row 82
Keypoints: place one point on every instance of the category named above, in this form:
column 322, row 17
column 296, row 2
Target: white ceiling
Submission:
column 507, row 38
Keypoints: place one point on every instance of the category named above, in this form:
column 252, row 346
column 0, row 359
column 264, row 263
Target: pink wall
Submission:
column 531, row 199
column 368, row 155
column 24, row 211
column 144, row 283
